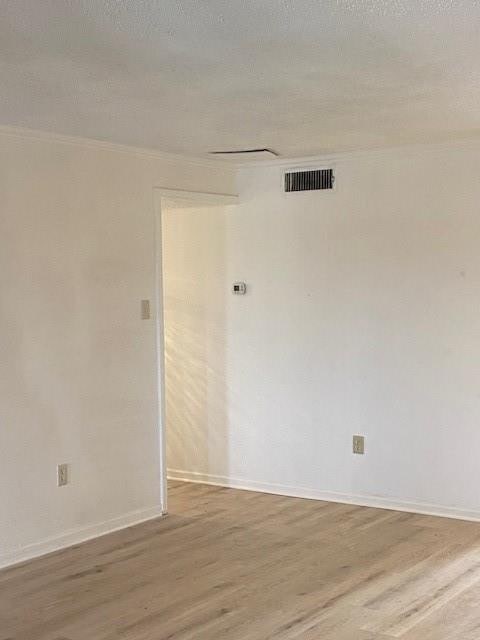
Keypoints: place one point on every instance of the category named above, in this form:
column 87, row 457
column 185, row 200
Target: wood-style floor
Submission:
column 238, row 565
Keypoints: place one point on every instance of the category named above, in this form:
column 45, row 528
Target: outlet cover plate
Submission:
column 359, row 445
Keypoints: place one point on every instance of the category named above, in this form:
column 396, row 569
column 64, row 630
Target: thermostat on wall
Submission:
column 239, row 288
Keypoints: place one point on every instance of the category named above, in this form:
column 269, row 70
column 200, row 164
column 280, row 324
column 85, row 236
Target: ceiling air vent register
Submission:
column 309, row 180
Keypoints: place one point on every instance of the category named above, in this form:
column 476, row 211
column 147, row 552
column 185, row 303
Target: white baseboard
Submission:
column 76, row 536
column 327, row 496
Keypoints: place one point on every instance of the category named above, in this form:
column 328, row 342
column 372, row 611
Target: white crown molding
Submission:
column 172, row 158
column 320, row 160
column 376, row 502
column 77, row 536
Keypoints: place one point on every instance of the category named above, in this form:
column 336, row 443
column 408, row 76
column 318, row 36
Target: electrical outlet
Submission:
column 359, row 444
column 62, row 475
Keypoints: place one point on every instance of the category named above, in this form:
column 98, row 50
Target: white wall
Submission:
column 362, row 316
column 195, row 311
column 77, row 365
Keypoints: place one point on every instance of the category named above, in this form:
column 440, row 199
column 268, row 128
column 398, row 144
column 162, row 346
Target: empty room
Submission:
column 239, row 320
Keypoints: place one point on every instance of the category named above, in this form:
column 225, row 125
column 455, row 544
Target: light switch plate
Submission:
column 62, row 475
column 145, row 309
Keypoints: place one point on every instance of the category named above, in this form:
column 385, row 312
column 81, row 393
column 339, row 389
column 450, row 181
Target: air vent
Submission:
column 309, row 180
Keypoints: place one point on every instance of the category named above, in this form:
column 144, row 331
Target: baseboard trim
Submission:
column 327, row 496
column 76, row 536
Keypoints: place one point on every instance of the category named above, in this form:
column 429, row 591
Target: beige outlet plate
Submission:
column 359, row 444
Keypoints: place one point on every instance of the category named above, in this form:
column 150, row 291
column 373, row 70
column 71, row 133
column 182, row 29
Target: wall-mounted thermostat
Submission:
column 239, row 288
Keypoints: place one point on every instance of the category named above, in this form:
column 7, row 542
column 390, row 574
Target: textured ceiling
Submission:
column 298, row 76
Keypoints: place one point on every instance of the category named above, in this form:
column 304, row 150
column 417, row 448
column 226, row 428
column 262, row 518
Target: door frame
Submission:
column 172, row 197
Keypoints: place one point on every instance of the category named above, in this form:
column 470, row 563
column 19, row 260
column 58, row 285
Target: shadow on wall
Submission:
column 195, row 290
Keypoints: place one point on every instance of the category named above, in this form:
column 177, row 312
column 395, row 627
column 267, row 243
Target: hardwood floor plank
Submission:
column 238, row 565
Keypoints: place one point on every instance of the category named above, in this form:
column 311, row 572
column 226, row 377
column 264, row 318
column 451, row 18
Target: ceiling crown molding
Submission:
column 172, row 158
column 463, row 144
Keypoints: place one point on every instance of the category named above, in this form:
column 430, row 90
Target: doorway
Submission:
column 192, row 285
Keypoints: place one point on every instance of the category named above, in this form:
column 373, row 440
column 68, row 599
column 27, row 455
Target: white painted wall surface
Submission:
column 362, row 316
column 77, row 365
column 195, row 310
